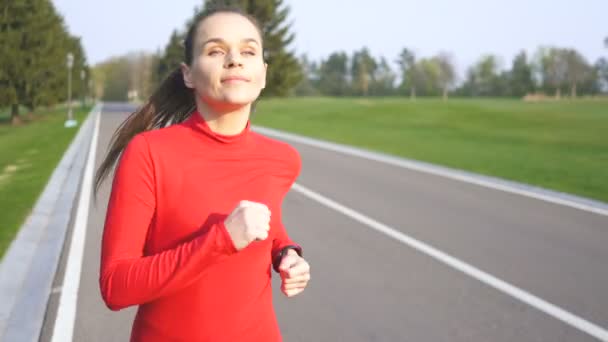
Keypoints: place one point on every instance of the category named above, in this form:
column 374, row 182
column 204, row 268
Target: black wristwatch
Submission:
column 277, row 260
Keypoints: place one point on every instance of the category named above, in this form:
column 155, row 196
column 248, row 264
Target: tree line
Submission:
column 135, row 75
column 33, row 64
column 553, row 71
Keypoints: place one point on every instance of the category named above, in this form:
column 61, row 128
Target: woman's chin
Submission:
column 238, row 99
column 229, row 102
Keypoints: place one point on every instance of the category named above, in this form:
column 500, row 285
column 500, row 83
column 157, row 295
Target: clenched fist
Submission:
column 249, row 221
column 295, row 273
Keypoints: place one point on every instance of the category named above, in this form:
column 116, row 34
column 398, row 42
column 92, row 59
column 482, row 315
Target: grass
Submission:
column 560, row 145
column 28, row 155
column 557, row 145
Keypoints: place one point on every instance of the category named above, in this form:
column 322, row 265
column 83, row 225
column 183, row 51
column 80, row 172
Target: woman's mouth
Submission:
column 234, row 79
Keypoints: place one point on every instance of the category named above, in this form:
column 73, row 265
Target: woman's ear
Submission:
column 187, row 74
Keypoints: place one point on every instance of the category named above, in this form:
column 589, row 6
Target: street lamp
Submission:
column 83, row 87
column 91, row 91
column 70, row 122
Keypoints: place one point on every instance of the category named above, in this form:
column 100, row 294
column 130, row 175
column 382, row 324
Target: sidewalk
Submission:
column 29, row 266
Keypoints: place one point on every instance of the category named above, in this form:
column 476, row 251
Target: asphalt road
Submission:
column 368, row 286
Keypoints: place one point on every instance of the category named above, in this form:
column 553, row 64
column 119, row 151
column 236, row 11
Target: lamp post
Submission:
column 91, row 91
column 70, row 62
column 83, row 87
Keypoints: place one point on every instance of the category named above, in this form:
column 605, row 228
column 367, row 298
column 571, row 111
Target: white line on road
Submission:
column 463, row 176
column 486, row 278
column 66, row 312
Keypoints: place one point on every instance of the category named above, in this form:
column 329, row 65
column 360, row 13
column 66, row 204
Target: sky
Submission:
column 467, row 29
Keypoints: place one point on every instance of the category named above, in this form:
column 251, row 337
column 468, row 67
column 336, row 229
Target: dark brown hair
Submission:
column 172, row 102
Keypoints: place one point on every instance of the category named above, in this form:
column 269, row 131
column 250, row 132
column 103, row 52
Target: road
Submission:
column 368, row 285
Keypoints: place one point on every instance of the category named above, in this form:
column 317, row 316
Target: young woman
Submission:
column 193, row 224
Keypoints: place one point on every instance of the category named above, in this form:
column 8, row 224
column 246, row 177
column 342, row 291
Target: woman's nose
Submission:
column 233, row 60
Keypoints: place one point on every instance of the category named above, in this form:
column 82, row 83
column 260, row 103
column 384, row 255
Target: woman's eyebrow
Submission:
column 250, row 40
column 223, row 42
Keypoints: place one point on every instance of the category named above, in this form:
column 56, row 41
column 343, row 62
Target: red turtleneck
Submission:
column 165, row 247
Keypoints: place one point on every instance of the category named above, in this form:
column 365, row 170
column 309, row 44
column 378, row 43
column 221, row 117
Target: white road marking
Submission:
column 66, row 312
column 486, row 278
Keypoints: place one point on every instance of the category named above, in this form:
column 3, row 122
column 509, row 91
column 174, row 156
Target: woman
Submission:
column 193, row 224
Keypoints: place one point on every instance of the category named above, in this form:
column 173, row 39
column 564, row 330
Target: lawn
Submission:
column 560, row 145
column 28, row 155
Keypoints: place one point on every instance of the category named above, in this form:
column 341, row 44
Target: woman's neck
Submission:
column 228, row 120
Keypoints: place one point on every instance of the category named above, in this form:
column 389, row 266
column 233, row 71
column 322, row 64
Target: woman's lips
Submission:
column 233, row 79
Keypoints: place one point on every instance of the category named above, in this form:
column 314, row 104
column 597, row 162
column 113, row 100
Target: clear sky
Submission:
column 465, row 28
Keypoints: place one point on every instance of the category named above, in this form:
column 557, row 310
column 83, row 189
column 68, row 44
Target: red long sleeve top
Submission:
column 165, row 247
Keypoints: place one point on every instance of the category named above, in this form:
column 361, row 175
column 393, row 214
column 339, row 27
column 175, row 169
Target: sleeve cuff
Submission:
column 277, row 259
column 226, row 241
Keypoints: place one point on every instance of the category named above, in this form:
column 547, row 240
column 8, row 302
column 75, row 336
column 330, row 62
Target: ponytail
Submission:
column 171, row 103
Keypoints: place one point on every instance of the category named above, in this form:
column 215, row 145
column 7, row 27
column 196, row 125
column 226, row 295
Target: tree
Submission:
column 12, row 17
column 552, row 68
column 520, row 80
column 484, row 79
column 447, row 74
column 601, row 67
column 428, row 79
column 577, row 69
column 333, row 75
column 306, row 86
column 384, row 79
column 172, row 57
column 363, row 68
column 410, row 74
column 487, row 75
column 115, row 73
column 34, row 44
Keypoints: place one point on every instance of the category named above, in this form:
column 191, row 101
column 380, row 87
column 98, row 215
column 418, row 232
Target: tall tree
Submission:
column 34, row 42
column 333, row 75
column 363, row 68
column 429, row 83
column 521, row 81
column 487, row 75
column 171, row 58
column 384, row 79
column 601, row 67
column 577, row 69
column 306, row 86
column 12, row 20
column 447, row 74
column 115, row 73
column 552, row 66
column 411, row 74
column 484, row 78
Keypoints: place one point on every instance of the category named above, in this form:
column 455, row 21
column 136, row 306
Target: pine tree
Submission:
column 34, row 44
column 12, row 20
column 172, row 56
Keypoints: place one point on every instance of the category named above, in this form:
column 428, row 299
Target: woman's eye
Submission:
column 214, row 52
column 250, row 53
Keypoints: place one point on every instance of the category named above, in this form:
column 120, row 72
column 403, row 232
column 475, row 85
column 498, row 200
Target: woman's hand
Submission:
column 248, row 222
column 295, row 273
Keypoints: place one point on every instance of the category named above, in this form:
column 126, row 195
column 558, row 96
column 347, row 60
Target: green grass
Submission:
column 557, row 145
column 28, row 155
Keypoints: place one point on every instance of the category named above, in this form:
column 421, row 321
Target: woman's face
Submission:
column 227, row 68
